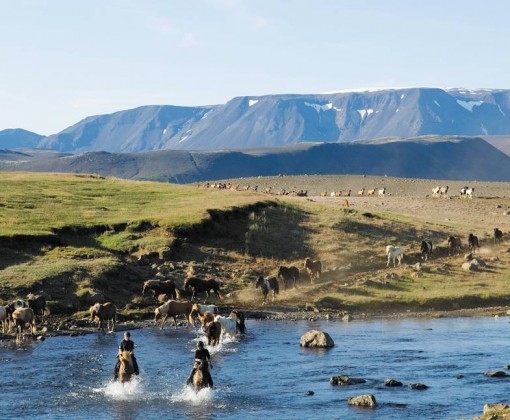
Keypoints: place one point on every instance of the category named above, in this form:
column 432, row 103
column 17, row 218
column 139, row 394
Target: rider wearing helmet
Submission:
column 202, row 354
column 126, row 345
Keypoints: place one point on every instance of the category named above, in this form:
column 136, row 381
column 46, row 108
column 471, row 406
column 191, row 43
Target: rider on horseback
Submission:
column 202, row 354
column 126, row 345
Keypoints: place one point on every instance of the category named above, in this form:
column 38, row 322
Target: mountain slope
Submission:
column 454, row 158
column 17, row 137
column 279, row 120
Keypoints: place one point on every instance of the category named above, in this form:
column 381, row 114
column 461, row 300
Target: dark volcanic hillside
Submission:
column 279, row 120
column 451, row 158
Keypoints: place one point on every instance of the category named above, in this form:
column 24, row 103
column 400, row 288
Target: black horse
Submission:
column 238, row 316
column 288, row 274
column 212, row 331
column 473, row 243
column 200, row 285
column 267, row 284
column 426, row 249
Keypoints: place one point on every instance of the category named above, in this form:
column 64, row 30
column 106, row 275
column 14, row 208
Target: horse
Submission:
column 198, row 311
column 426, row 249
column 171, row 309
column 498, row 235
column 396, row 253
column 238, row 316
column 126, row 369
column 21, row 317
column 212, row 331
column 266, row 285
column 37, row 303
column 198, row 380
column 5, row 318
column 160, row 287
column 104, row 312
column 228, row 325
column 288, row 274
column 473, row 243
column 313, row 268
column 200, row 285
column 454, row 245
column 381, row 192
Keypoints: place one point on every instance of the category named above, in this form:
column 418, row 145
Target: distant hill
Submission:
column 17, row 137
column 455, row 158
column 280, row 120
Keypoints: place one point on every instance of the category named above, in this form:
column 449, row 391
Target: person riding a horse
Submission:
column 126, row 345
column 202, row 354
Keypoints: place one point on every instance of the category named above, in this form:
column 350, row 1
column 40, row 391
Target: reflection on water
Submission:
column 265, row 373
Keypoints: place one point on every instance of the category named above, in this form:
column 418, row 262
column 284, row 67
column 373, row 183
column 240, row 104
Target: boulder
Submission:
column 314, row 338
column 469, row 266
column 392, row 382
column 366, row 400
column 496, row 374
column 419, row 387
column 345, row 380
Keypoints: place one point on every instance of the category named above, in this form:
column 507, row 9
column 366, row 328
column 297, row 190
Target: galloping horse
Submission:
column 473, row 243
column 395, row 253
column 126, row 369
column 267, row 284
column 313, row 268
column 200, row 285
column 454, row 245
column 238, row 316
column 212, row 331
column 199, row 381
column 288, row 274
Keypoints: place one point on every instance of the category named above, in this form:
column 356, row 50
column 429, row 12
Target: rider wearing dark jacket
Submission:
column 126, row 345
column 203, row 354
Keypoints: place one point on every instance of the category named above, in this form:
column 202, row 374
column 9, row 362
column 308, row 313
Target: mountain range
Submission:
column 285, row 133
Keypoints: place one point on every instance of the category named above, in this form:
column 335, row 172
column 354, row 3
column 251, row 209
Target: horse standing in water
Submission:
column 267, row 284
column 200, row 285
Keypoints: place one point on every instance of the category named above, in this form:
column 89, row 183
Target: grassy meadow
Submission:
column 73, row 237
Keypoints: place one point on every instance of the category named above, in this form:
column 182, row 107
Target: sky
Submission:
column 64, row 60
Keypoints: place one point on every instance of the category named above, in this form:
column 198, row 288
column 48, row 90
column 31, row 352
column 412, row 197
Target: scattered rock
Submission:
column 314, row 338
column 418, row 386
column 367, row 400
column 496, row 374
column 309, row 393
column 345, row 380
column 392, row 382
column 469, row 266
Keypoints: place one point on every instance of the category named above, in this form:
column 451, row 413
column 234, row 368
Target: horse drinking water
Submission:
column 267, row 284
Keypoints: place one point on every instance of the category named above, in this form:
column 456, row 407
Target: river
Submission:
column 265, row 374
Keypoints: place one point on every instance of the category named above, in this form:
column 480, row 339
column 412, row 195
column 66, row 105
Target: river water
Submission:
column 265, row 374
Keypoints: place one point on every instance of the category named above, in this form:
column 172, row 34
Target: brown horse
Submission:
column 199, row 285
column 212, row 331
column 173, row 308
column 199, row 381
column 22, row 317
column 313, row 268
column 160, row 287
column 104, row 312
column 288, row 274
column 126, row 369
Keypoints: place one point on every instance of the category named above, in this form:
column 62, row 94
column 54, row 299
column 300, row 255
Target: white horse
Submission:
column 228, row 325
column 395, row 253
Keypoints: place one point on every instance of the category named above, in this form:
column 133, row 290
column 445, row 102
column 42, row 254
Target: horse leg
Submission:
column 206, row 296
column 163, row 321
column 175, row 321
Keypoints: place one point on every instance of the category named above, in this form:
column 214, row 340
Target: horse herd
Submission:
column 396, row 253
column 20, row 315
column 465, row 192
column 288, row 275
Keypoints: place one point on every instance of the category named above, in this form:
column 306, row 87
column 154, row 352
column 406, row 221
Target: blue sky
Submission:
column 64, row 60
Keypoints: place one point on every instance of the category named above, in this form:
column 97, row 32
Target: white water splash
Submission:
column 124, row 391
column 188, row 394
